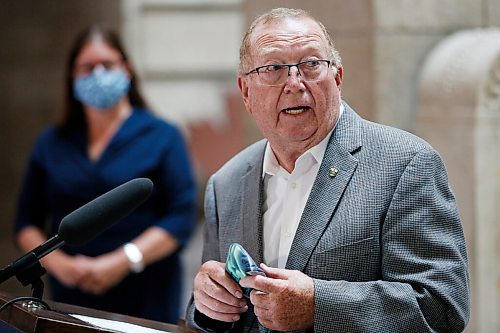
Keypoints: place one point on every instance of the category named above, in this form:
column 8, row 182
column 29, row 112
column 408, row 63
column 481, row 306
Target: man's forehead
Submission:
column 289, row 26
column 301, row 32
column 274, row 50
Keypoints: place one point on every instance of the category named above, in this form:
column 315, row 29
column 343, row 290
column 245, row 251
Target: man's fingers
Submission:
column 262, row 283
column 274, row 273
column 228, row 285
column 216, row 272
column 220, row 294
column 216, row 291
column 218, row 306
column 227, row 317
column 260, row 300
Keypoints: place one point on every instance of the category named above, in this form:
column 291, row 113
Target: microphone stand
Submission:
column 29, row 271
column 30, row 275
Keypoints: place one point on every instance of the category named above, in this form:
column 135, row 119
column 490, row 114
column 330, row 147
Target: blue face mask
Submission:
column 102, row 88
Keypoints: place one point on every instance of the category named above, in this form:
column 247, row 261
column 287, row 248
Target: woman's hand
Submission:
column 103, row 272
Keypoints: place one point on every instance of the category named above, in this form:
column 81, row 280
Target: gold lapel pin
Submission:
column 333, row 172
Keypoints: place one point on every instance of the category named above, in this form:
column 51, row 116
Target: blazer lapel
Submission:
column 334, row 174
column 251, row 208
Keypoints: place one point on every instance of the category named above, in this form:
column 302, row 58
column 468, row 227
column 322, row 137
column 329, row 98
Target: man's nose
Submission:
column 294, row 79
column 293, row 68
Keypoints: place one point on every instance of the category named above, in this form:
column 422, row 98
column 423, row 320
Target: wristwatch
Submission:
column 134, row 256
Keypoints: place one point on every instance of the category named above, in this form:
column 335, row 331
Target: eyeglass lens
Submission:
column 313, row 70
column 87, row 68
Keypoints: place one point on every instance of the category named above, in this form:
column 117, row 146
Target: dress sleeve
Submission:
column 179, row 188
column 32, row 202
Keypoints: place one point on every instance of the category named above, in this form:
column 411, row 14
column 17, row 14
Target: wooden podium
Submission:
column 17, row 318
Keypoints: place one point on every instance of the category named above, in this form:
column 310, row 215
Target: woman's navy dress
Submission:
column 60, row 178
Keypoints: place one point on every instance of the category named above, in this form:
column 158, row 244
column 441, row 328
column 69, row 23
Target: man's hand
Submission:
column 283, row 300
column 216, row 295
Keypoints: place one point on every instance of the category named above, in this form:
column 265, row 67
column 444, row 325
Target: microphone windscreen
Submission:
column 101, row 213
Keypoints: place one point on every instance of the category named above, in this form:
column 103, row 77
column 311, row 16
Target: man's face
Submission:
column 296, row 113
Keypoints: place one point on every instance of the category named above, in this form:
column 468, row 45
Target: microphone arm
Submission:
column 28, row 269
column 30, row 258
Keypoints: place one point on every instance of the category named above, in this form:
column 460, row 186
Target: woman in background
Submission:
column 108, row 136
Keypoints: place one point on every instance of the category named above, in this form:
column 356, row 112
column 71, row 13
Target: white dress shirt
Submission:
column 285, row 196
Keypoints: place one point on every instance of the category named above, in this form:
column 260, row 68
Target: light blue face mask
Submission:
column 102, row 88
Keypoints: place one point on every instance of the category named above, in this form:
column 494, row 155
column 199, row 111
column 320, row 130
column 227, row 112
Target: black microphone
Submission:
column 87, row 222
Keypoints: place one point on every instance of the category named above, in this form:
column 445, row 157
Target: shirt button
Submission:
column 293, row 185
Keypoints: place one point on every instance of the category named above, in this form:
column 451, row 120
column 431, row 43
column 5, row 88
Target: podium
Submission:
column 17, row 318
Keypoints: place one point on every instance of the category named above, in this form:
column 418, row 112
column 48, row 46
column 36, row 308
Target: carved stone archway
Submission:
column 459, row 114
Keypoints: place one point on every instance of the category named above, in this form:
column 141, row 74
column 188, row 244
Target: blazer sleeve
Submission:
column 194, row 318
column 424, row 285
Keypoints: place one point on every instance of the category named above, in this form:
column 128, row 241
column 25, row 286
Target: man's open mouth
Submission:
column 296, row 109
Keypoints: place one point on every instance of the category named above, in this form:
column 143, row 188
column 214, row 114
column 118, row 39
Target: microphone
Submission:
column 87, row 222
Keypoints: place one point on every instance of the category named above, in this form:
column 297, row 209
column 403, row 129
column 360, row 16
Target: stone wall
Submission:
column 405, row 32
column 459, row 112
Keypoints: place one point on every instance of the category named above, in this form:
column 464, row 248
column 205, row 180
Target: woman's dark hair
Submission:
column 72, row 115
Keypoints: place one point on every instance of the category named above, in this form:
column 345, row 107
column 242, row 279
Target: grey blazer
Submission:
column 382, row 238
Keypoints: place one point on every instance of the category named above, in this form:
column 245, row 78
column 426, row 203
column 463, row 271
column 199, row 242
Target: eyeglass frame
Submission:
column 256, row 70
column 87, row 68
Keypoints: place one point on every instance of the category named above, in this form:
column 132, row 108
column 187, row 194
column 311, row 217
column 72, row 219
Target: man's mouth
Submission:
column 296, row 109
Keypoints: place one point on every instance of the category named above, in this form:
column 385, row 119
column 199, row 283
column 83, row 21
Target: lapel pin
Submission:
column 333, row 172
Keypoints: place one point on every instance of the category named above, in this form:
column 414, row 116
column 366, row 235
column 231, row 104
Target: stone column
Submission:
column 459, row 114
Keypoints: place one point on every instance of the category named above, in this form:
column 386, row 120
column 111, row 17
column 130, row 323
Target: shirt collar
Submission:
column 271, row 165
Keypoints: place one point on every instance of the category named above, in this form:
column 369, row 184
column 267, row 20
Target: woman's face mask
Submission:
column 102, row 88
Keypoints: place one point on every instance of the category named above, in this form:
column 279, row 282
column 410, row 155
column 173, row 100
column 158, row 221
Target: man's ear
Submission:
column 243, row 86
column 338, row 77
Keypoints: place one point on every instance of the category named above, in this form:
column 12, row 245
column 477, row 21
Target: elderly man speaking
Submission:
column 354, row 223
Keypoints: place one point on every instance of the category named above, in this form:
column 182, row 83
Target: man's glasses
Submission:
column 274, row 75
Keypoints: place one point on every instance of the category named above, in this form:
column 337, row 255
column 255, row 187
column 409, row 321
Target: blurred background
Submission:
column 429, row 67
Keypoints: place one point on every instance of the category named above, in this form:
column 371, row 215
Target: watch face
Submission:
column 134, row 256
column 240, row 264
